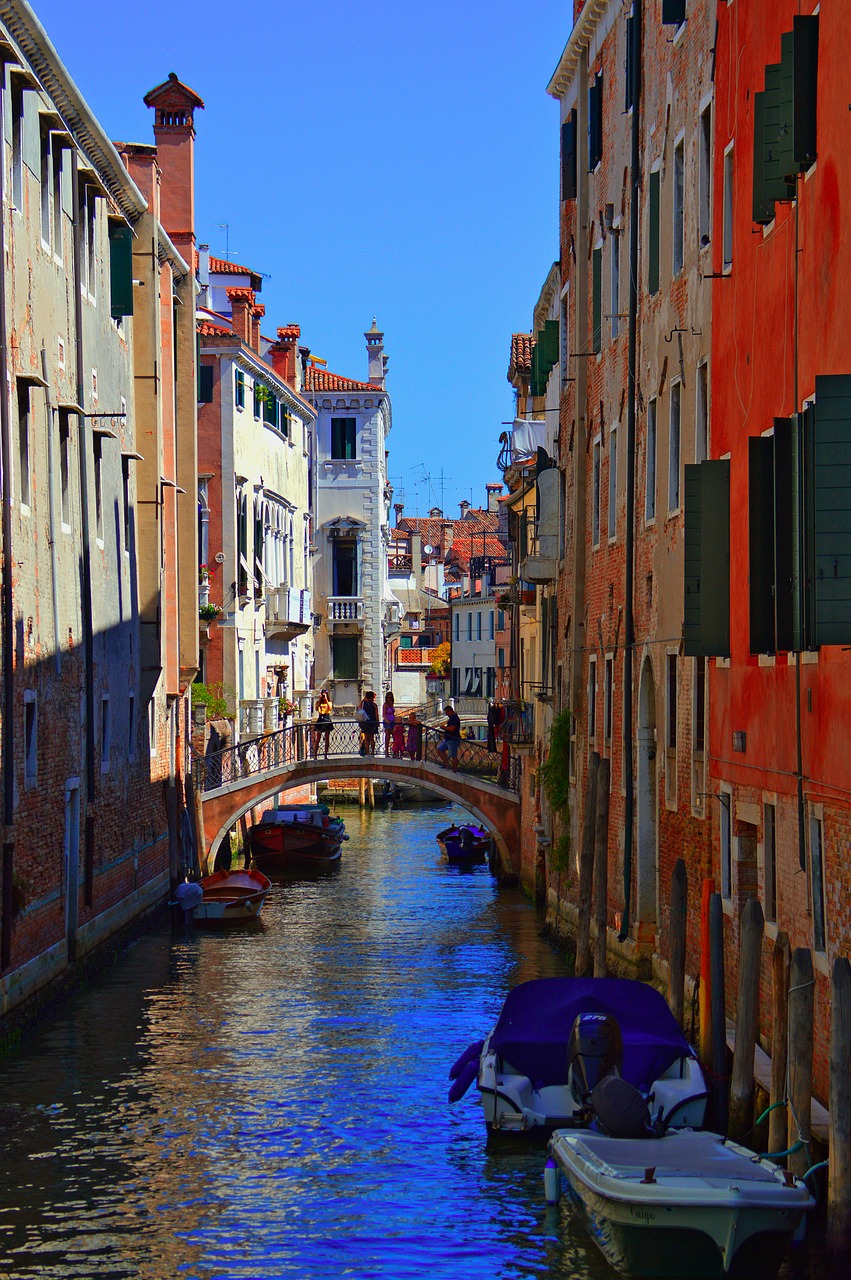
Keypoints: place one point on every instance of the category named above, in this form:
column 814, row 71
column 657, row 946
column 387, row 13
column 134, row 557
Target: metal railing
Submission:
column 302, row 742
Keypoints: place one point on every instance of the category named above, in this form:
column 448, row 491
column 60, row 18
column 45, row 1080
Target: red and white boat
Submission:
column 296, row 837
column 231, row 897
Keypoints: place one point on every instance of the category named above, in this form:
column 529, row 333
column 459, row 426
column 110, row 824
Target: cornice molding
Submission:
column 579, row 40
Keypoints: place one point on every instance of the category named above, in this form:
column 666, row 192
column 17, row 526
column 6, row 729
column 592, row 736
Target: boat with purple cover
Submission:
column 556, row 1038
column 467, row 843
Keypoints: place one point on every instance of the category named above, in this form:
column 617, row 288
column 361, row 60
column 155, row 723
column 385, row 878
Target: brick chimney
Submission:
column 493, row 491
column 284, row 354
column 241, row 308
column 375, row 354
column 174, row 132
column 257, row 313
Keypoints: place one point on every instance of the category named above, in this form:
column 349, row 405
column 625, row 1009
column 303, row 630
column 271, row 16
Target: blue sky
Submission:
column 372, row 159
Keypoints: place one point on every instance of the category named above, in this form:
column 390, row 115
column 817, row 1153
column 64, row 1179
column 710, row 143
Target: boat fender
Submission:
column 552, row 1182
column 465, row 1079
column 472, row 1051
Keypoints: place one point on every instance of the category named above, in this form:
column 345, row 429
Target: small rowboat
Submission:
column 464, row 844
column 231, row 897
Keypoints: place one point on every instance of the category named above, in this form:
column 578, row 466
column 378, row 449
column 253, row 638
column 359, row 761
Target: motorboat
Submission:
column 296, row 837
column 684, row 1202
column 467, row 843
column 230, row 897
column 556, row 1038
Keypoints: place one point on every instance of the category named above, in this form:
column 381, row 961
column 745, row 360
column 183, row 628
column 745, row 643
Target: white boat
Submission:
column 556, row 1037
column 686, row 1203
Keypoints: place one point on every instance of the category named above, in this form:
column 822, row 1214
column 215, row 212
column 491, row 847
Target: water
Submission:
column 272, row 1102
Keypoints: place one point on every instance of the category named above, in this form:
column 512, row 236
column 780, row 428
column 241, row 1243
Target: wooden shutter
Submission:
column 31, row 132
column 595, row 122
column 706, row 618
column 786, row 528
column 778, row 161
column 763, row 210
column 653, row 234
column 831, row 511
column 673, row 12
column 568, row 158
column 597, row 300
column 761, row 543
column 805, row 88
column 120, row 269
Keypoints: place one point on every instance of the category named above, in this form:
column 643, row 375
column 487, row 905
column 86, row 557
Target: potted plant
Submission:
column 208, row 612
column 286, row 709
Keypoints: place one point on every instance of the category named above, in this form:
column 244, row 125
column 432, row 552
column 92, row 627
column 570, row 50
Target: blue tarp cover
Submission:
column 536, row 1020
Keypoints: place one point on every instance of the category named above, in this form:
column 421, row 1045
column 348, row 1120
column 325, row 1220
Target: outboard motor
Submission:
column 594, row 1051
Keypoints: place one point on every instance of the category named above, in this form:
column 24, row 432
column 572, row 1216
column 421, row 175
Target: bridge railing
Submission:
column 301, row 742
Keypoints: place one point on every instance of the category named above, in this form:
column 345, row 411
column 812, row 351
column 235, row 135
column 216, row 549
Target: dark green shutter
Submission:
column 653, row 234
column 761, row 543
column 549, row 335
column 239, row 393
column 31, row 132
column 597, row 300
column 120, row 269
column 205, row 384
column 778, row 160
column 673, row 12
column 568, row 158
column 595, row 122
column 629, row 86
column 345, row 657
column 763, row 210
column 805, row 91
column 706, row 618
column 786, row 527
column 831, row 511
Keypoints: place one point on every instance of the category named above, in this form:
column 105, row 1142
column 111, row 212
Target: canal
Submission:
column 273, row 1102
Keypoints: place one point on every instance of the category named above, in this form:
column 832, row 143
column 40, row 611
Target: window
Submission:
column 704, row 177
column 57, row 159
column 698, row 733
column 490, row 625
column 343, row 438
column 469, row 624
column 613, row 482
column 16, row 97
column 650, row 473
column 64, row 419
column 701, row 415
column 500, row 659
column 152, row 727
column 726, row 804
column 568, row 157
column 345, row 568
column 595, row 495
column 653, row 233
column 769, row 813
column 595, row 122
column 597, row 301
column 727, row 242
column 131, row 727
column 97, row 450
column 500, row 619
column 344, row 657
column 817, row 876
column 671, row 719
column 678, row 225
column 46, row 175
column 24, row 429
column 259, row 389
column 592, row 699
column 457, row 626
column 615, row 301
column 706, row 613
column 105, row 732
column 608, row 690
column 125, row 502
column 478, row 625
column 205, row 384
column 673, row 12
column 88, row 216
column 674, row 449
column 30, row 738
column 239, row 388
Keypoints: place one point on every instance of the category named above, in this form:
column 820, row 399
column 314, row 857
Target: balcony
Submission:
column 288, row 612
column 539, row 568
column 345, row 608
column 415, row 656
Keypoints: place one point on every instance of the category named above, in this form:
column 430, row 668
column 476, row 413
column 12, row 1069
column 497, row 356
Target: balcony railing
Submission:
column 345, row 608
column 415, row 656
column 287, row 611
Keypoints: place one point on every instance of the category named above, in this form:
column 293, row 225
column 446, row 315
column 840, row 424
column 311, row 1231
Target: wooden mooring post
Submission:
column 586, row 870
column 839, row 1177
column 719, row 1015
column 677, row 956
column 780, row 959
column 747, row 1015
column 601, row 868
column 705, row 1046
column 801, row 1011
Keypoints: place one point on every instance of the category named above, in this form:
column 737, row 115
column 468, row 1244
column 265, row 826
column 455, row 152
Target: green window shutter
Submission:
column 763, row 210
column 336, row 437
column 537, row 385
column 831, row 511
column 805, row 88
column 706, row 621
column 120, row 269
column 349, row 438
column 205, row 384
column 270, row 410
column 258, row 403
column 673, row 12
column 568, row 158
column 595, row 122
column 550, row 337
column 345, row 657
column 31, row 132
column 761, row 523
column 778, row 162
column 597, row 300
column 653, row 234
column 239, row 389
column 785, row 524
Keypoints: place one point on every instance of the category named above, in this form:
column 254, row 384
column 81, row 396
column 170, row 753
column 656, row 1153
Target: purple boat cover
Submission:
column 534, row 1026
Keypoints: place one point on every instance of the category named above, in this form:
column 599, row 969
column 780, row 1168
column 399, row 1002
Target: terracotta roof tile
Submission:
column 208, row 330
column 316, row 379
column 521, row 353
column 222, row 267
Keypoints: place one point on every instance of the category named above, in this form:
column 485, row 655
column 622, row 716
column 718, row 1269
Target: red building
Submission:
column 779, row 628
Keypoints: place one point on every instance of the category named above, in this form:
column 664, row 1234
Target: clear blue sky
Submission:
column 375, row 158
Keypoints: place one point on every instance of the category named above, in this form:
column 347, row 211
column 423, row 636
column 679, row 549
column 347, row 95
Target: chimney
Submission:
column 375, row 355
column 174, row 132
column 465, row 507
column 204, row 274
column 257, row 312
column 446, row 532
column 241, row 308
column 493, row 491
column 284, row 354
column 398, row 507
column 417, row 558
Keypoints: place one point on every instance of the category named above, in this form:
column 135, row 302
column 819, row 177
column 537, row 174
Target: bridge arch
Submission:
column 492, row 806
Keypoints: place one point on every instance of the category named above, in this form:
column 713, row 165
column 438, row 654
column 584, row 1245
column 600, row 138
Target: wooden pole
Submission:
column 362, row 792
column 677, row 959
column 839, row 1177
column 200, row 834
column 779, row 1040
column 586, row 870
column 370, row 793
column 601, row 868
column 705, row 1005
column 719, row 1014
column 747, row 1017
column 801, row 1007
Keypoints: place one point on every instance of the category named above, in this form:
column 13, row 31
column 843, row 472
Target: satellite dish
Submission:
column 428, row 548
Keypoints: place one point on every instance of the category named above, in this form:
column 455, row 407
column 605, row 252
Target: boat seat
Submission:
column 622, row 1111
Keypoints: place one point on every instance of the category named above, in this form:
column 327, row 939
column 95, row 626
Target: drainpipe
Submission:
column 629, row 624
column 8, row 623
column 86, row 560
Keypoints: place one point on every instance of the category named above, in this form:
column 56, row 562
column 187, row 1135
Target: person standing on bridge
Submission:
column 369, row 725
column 451, row 739
column 388, row 718
column 324, row 723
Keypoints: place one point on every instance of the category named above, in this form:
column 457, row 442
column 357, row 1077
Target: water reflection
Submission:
column 272, row 1103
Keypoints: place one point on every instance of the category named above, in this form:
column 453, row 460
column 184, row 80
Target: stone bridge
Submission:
column 231, row 782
